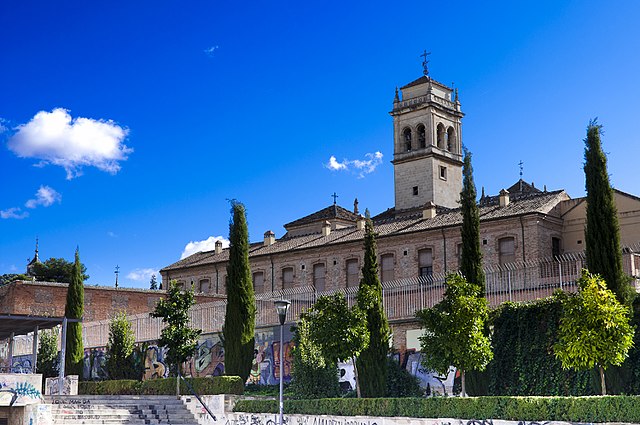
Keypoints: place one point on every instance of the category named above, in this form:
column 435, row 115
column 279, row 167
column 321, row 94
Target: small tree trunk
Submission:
column 464, row 388
column 602, row 382
column 178, row 382
column 355, row 372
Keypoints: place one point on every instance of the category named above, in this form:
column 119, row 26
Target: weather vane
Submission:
column 521, row 164
column 117, row 272
column 425, row 63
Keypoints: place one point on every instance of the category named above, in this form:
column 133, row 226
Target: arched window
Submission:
column 422, row 137
column 287, row 277
column 204, row 285
column 506, row 250
column 440, row 135
column 451, row 139
column 353, row 273
column 258, row 282
column 387, row 272
column 319, row 277
column 406, row 134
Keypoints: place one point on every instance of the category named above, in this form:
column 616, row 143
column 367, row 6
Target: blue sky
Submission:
column 127, row 126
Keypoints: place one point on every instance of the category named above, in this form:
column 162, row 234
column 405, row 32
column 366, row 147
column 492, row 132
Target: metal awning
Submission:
column 21, row 324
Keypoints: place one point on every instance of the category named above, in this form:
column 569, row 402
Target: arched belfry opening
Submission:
column 406, row 134
column 451, row 140
column 422, row 136
column 441, row 134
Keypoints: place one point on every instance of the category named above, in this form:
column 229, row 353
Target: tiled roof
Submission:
column 422, row 80
column 331, row 212
column 387, row 226
column 522, row 186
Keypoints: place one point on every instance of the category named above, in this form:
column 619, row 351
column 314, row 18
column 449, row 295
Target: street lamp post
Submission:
column 281, row 307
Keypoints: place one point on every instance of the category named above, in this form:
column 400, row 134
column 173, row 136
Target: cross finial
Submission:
column 117, row 272
column 425, row 63
column 335, row 197
column 521, row 164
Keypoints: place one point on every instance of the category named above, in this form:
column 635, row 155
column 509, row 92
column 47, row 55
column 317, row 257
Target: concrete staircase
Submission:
column 119, row 410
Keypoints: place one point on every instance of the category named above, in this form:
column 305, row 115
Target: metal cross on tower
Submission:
column 117, row 272
column 335, row 197
column 425, row 63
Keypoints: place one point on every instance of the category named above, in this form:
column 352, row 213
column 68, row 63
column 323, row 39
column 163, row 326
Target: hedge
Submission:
column 165, row 386
column 570, row 409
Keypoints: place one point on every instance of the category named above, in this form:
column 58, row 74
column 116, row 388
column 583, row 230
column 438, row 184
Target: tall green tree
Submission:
column 57, row 270
column 180, row 339
column 471, row 255
column 120, row 362
column 372, row 361
column 340, row 332
column 74, row 309
column 47, row 363
column 240, row 318
column 454, row 330
column 602, row 232
column 313, row 376
column 594, row 328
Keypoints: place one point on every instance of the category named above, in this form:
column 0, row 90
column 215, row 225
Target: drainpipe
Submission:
column 273, row 282
column 444, row 245
column 217, row 280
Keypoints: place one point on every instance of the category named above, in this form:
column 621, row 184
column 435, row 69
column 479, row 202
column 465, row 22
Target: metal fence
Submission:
column 521, row 281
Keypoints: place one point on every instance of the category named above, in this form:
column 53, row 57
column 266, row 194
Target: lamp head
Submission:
column 281, row 307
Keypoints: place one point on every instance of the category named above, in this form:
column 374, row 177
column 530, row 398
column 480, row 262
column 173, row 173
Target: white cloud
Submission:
column 209, row 50
column 142, row 275
column 112, row 234
column 72, row 143
column 360, row 166
column 45, row 196
column 208, row 244
column 14, row 212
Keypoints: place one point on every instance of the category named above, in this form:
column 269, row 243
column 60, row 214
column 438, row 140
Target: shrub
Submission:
column 400, row 383
column 166, row 386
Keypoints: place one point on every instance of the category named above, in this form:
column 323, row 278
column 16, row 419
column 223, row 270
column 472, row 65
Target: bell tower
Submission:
column 427, row 148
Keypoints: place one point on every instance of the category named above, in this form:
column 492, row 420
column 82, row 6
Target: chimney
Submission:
column 326, row 228
column 218, row 247
column 360, row 223
column 269, row 238
column 355, row 206
column 504, row 198
column 429, row 210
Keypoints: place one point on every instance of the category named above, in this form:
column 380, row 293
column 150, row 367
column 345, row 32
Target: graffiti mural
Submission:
column 209, row 358
column 154, row 365
column 430, row 381
column 20, row 389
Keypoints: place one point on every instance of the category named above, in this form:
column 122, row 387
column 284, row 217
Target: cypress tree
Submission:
column 240, row 317
column 74, row 309
column 602, row 232
column 372, row 361
column 471, row 255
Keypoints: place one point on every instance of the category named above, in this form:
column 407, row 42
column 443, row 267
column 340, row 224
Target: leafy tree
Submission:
column 341, row 333
column 47, row 363
column 177, row 336
column 313, row 376
column 120, row 362
column 74, row 309
column 454, row 330
column 240, row 318
column 602, row 232
column 153, row 283
column 11, row 277
column 594, row 328
column 372, row 361
column 471, row 255
column 400, row 383
column 57, row 270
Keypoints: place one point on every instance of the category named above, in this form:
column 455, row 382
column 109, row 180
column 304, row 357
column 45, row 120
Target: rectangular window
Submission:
column 443, row 172
column 556, row 251
column 319, row 277
column 387, row 270
column 425, row 262
column 353, row 273
column 204, row 285
column 258, row 282
column 507, row 250
column 287, row 278
column 415, row 190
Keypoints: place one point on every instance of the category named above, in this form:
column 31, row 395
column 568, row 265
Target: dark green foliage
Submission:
column 471, row 255
column 57, row 270
column 602, row 232
column 400, row 383
column 11, row 277
column 372, row 361
column 120, row 349
column 631, row 367
column 240, row 318
column 313, row 377
column 523, row 362
column 47, row 363
column 210, row 385
column 569, row 409
column 177, row 336
column 153, row 282
column 74, row 309
column 454, row 329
